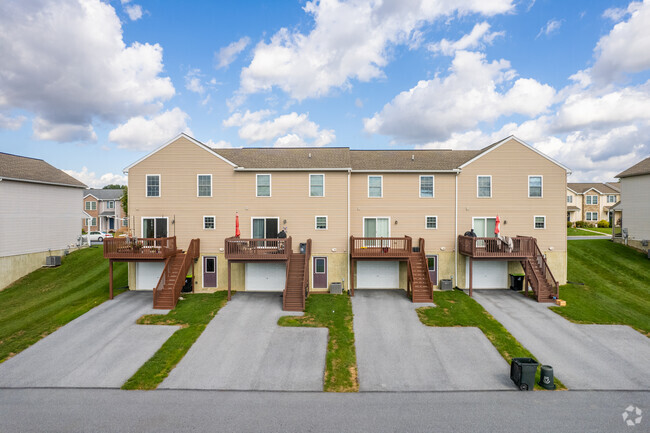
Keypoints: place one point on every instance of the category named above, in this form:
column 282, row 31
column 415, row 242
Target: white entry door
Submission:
column 265, row 277
column 147, row 274
column 490, row 274
column 377, row 274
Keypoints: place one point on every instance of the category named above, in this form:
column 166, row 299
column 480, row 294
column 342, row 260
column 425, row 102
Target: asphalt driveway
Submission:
column 101, row 349
column 603, row 357
column 243, row 348
column 397, row 352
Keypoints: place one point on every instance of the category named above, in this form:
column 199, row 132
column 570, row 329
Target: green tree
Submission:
column 125, row 200
column 114, row 186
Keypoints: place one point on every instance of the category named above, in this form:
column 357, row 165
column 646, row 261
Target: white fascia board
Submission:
column 43, row 182
column 455, row 170
column 291, row 169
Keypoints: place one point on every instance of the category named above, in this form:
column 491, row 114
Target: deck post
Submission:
column 470, row 277
column 229, row 279
column 351, row 282
column 110, row 279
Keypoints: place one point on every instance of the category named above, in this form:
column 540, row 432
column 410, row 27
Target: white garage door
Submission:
column 265, row 277
column 377, row 275
column 148, row 274
column 489, row 274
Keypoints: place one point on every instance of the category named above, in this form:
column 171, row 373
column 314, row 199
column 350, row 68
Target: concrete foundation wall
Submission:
column 13, row 268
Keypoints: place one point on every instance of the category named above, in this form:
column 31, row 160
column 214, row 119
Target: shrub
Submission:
column 569, row 224
column 580, row 224
column 603, row 224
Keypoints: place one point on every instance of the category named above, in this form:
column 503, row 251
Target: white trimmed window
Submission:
column 91, row 221
column 91, row 205
column 110, row 205
column 431, row 222
column 321, row 222
column 611, row 199
column 569, row 199
column 592, row 199
column 426, row 186
column 540, row 222
column 535, row 186
column 125, row 222
column 153, row 185
column 484, row 186
column 208, row 223
column 375, row 184
column 263, row 185
column 204, row 185
column 591, row 216
column 316, row 185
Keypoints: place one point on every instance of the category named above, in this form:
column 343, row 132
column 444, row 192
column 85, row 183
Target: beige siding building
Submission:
column 188, row 190
column 592, row 202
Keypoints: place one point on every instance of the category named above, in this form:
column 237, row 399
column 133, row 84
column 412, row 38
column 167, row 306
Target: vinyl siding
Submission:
column 636, row 206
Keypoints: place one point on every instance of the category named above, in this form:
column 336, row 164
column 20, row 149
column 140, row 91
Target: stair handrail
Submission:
column 286, row 284
column 426, row 266
column 161, row 281
column 546, row 270
column 191, row 254
column 305, row 276
column 531, row 277
column 410, row 279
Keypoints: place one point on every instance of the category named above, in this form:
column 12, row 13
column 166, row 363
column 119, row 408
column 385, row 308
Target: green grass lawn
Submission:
column 48, row 298
column 587, row 232
column 193, row 314
column 615, row 290
column 455, row 308
column 335, row 313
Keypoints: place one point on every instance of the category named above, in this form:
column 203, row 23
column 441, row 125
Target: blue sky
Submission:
column 92, row 86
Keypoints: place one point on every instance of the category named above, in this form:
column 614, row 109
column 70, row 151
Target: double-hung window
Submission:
column 611, row 199
column 426, row 186
column 540, row 222
column 153, row 185
column 484, row 186
column 110, row 204
column 321, row 222
column 204, row 185
column 592, row 199
column 591, row 216
column 431, row 222
column 534, row 186
column 375, row 186
column 91, row 205
column 316, row 185
column 263, row 187
column 569, row 199
column 208, row 223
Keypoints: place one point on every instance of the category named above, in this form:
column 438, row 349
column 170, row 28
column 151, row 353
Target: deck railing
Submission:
column 495, row 247
column 546, row 271
column 139, row 248
column 305, row 277
column 257, row 249
column 191, row 254
column 380, row 247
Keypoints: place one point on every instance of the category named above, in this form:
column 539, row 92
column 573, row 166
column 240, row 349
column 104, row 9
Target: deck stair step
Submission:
column 294, row 293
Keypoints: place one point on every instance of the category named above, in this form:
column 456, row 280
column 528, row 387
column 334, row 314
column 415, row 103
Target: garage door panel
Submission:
column 489, row 274
column 265, row 277
column 148, row 274
column 377, row 275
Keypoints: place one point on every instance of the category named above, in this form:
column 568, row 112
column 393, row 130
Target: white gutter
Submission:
column 43, row 182
column 407, row 171
column 291, row 169
column 348, row 238
column 456, row 234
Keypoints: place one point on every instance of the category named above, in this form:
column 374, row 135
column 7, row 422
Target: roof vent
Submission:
column 310, row 154
column 412, row 157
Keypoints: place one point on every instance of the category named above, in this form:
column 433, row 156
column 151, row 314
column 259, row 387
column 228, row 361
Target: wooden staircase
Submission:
column 421, row 287
column 539, row 276
column 172, row 279
column 296, row 288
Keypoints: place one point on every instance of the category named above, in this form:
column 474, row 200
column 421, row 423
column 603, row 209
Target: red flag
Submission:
column 497, row 229
column 237, row 232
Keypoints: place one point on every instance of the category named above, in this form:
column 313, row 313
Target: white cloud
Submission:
column 617, row 14
column 12, row 123
column 84, row 70
column 229, row 53
column 358, row 103
column 551, row 27
column 479, row 36
column 626, row 49
column 140, row 133
column 134, row 12
column 91, row 179
column 291, row 129
column 474, row 91
column 46, row 130
column 221, row 144
column 349, row 40
column 193, row 81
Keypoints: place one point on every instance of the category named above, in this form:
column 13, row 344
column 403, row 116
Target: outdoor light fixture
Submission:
column 442, row 248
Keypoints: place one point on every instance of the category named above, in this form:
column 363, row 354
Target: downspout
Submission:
column 456, row 233
column 348, row 238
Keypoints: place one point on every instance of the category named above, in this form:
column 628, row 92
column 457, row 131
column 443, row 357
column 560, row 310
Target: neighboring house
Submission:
column 635, row 206
column 592, row 202
column 103, row 208
column 364, row 212
column 39, row 214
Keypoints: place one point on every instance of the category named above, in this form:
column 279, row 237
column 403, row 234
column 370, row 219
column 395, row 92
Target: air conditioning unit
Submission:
column 53, row 261
column 446, row 285
column 336, row 288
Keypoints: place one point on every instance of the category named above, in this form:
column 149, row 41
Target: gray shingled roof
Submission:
column 642, row 167
column 105, row 194
column 22, row 168
column 601, row 187
column 410, row 159
column 298, row 158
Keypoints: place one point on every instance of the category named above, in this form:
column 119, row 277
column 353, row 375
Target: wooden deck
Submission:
column 240, row 249
column 380, row 248
column 139, row 249
column 494, row 248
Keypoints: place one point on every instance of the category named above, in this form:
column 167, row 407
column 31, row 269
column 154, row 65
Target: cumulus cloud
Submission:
column 134, row 12
column 193, row 81
column 626, row 48
column 551, row 27
column 146, row 133
column 98, row 78
column 470, row 94
column 221, row 144
column 479, row 36
column 349, row 40
column 11, row 123
column 91, row 178
column 288, row 130
column 229, row 53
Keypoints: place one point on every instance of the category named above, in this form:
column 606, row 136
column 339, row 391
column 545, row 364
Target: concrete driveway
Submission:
column 101, row 349
column 607, row 357
column 397, row 352
column 243, row 348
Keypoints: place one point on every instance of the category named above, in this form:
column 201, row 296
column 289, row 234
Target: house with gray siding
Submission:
column 635, row 206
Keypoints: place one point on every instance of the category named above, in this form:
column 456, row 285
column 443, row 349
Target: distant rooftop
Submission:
column 25, row 169
column 639, row 169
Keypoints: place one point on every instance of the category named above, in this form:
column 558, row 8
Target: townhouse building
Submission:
column 634, row 207
column 592, row 202
column 367, row 219
column 103, row 210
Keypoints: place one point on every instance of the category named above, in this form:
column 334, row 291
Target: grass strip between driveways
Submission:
column 457, row 309
column 589, row 231
column 193, row 314
column 48, row 298
column 615, row 290
column 335, row 313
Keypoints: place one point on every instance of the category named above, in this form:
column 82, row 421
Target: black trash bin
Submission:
column 522, row 373
column 517, row 282
column 187, row 287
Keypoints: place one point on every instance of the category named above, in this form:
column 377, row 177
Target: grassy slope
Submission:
column 335, row 313
column 193, row 314
column 457, row 309
column 41, row 302
column 580, row 232
column 616, row 288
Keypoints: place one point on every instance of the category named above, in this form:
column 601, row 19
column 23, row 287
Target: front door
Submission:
column 432, row 265
column 111, row 223
column 320, row 273
column 209, row 271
